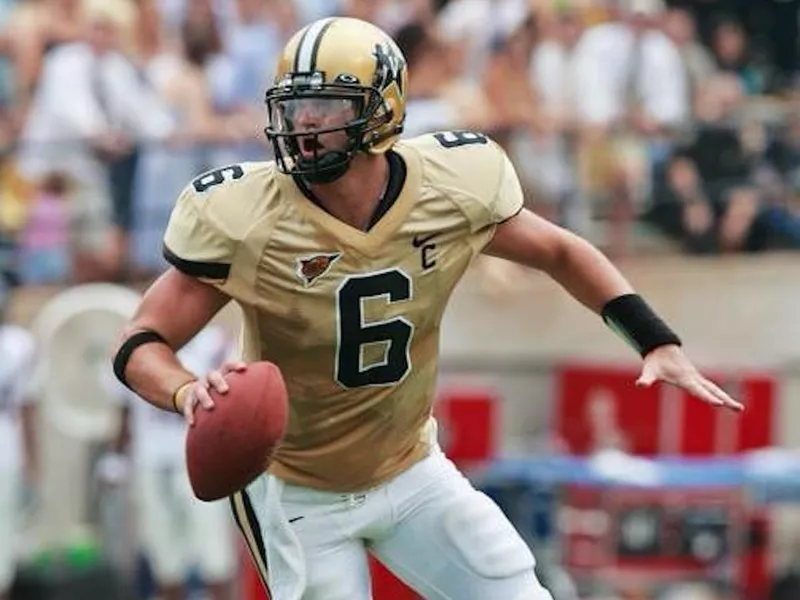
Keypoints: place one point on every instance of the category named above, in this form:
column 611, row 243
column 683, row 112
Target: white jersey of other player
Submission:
column 175, row 527
column 158, row 436
column 17, row 350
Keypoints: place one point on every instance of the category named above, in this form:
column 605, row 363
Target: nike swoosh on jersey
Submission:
column 421, row 240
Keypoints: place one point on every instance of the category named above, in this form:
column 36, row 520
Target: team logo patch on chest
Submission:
column 311, row 268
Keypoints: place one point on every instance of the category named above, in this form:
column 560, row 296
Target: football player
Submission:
column 176, row 527
column 342, row 254
column 17, row 456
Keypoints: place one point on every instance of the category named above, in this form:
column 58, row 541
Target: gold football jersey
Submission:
column 351, row 317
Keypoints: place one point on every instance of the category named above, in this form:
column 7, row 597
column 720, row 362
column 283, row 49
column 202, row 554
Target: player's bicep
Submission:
column 529, row 240
column 178, row 306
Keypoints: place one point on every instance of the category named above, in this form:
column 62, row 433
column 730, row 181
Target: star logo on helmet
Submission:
column 389, row 68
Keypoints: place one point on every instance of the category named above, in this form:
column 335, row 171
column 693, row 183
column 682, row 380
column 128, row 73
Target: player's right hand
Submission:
column 197, row 394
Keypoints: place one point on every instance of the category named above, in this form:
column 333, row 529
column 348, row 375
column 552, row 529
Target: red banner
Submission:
column 600, row 407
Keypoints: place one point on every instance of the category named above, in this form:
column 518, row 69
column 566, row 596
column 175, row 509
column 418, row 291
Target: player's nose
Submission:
column 306, row 120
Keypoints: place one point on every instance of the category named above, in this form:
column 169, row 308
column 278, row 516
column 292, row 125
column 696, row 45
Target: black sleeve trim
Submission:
column 509, row 217
column 208, row 270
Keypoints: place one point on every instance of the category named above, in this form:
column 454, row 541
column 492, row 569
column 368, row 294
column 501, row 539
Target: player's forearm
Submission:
column 591, row 278
column 172, row 312
column 155, row 373
column 587, row 274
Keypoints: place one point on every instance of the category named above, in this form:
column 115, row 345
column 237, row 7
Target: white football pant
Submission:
column 429, row 526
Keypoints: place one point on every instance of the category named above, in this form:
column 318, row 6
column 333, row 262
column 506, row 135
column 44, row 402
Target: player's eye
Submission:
column 302, row 113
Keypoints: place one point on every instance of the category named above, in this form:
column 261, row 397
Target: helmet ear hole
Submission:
column 385, row 125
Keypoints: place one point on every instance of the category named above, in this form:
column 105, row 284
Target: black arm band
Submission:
column 140, row 338
column 631, row 318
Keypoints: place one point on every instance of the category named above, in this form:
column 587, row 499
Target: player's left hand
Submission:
column 670, row 365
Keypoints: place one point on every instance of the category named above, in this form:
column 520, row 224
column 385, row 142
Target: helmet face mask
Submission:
column 316, row 130
column 340, row 90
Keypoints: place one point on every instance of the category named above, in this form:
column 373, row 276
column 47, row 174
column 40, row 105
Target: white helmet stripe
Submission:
column 309, row 44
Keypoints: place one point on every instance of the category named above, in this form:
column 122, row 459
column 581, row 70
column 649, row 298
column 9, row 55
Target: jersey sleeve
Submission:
column 509, row 199
column 475, row 173
column 495, row 194
column 196, row 242
column 480, row 178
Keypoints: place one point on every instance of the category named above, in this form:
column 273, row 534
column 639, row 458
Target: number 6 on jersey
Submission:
column 353, row 334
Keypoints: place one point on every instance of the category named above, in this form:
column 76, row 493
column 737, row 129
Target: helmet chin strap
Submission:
column 328, row 168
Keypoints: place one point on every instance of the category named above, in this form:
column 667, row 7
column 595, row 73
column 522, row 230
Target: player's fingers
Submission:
column 726, row 399
column 188, row 407
column 698, row 390
column 204, row 398
column 647, row 378
column 217, row 380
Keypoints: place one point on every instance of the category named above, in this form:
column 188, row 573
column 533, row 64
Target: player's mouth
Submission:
column 310, row 147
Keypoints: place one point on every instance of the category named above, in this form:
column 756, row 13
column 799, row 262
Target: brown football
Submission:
column 231, row 445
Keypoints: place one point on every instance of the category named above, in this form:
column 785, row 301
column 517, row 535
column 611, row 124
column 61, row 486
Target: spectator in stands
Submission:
column 250, row 51
column 700, row 64
column 166, row 166
column 550, row 171
column 253, row 44
column 632, row 98
column 707, row 202
column 31, row 29
column 437, row 98
column 89, row 111
column 731, row 51
column 471, row 27
column 630, row 74
column 724, row 191
column 514, row 102
column 717, row 148
column 151, row 38
column 45, row 237
column 684, row 210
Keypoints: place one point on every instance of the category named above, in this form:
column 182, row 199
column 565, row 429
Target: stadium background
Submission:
column 690, row 185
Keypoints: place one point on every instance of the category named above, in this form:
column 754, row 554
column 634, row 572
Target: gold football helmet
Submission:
column 340, row 89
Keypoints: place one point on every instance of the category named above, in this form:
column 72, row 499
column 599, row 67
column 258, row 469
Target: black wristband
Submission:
column 631, row 318
column 146, row 336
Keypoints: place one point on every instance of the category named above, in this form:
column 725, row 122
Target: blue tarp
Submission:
column 769, row 475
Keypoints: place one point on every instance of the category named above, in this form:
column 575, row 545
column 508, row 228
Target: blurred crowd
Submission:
column 670, row 125
column 626, row 119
